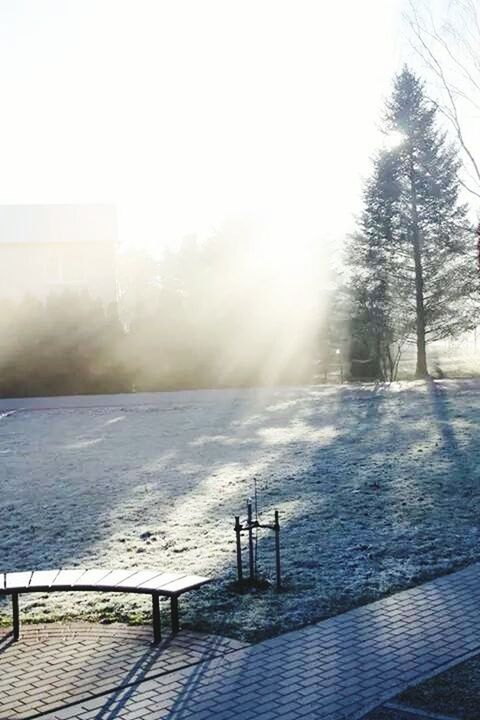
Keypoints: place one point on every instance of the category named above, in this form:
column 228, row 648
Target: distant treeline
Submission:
column 68, row 345
column 183, row 322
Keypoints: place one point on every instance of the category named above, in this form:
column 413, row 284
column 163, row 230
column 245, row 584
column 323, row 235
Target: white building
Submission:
column 47, row 249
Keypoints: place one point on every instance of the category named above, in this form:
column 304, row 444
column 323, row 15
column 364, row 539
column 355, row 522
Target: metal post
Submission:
column 277, row 550
column 250, row 542
column 16, row 616
column 157, row 631
column 238, row 528
column 174, row 613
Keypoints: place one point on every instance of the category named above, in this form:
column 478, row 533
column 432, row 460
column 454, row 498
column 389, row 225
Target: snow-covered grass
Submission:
column 377, row 488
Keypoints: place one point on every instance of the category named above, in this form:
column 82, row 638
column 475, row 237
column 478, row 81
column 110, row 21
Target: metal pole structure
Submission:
column 277, row 550
column 250, row 542
column 239, row 552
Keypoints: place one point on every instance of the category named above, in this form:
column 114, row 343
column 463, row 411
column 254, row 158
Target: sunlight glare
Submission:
column 393, row 139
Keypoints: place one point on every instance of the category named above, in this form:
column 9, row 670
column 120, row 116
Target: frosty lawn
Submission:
column 377, row 489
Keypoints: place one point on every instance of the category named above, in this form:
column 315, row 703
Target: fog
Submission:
column 229, row 145
column 237, row 308
column 242, row 308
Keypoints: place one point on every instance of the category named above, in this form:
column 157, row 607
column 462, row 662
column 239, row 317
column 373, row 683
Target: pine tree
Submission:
column 414, row 256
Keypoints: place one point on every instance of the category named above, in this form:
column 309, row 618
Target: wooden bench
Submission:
column 150, row 582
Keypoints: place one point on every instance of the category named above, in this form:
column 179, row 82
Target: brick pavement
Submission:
column 337, row 669
column 55, row 665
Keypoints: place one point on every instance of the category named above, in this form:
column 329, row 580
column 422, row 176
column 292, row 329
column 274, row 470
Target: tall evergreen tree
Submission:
column 414, row 256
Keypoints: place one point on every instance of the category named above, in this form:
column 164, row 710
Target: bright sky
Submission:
column 189, row 113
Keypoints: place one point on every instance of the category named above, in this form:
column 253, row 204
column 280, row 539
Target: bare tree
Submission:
column 450, row 49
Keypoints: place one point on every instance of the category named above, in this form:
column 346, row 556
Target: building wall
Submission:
column 40, row 269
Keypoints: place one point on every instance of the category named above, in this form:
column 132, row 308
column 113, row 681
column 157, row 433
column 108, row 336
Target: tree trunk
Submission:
column 421, row 370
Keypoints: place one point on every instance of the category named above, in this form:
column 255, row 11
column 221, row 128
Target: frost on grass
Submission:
column 377, row 489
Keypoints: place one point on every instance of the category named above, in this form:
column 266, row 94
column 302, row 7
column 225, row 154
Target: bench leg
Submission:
column 157, row 631
column 16, row 616
column 174, row 612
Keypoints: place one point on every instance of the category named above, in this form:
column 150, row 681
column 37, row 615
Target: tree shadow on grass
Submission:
column 388, row 503
column 442, row 412
column 392, row 514
column 83, row 488
column 367, row 508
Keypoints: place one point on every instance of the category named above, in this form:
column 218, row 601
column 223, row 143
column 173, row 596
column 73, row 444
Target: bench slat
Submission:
column 160, row 580
column 92, row 577
column 67, row 577
column 188, row 582
column 140, row 577
column 114, row 577
column 16, row 580
column 43, row 578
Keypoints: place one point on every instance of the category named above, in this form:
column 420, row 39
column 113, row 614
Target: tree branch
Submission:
column 422, row 34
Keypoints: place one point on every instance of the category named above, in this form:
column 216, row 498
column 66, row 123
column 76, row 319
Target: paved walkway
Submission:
column 340, row 668
column 58, row 665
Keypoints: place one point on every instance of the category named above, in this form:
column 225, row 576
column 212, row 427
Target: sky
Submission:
column 190, row 114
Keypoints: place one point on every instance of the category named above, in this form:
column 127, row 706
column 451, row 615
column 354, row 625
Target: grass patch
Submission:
column 454, row 692
column 378, row 489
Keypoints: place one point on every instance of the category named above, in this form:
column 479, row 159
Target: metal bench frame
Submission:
column 145, row 582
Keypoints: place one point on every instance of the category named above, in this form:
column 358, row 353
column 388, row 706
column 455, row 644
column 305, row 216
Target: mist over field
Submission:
column 216, row 313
